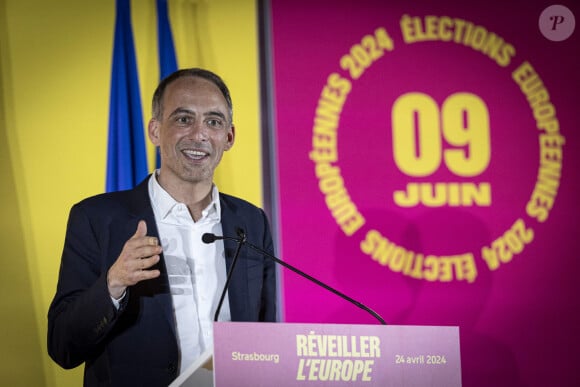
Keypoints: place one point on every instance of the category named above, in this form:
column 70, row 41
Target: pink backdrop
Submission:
column 372, row 97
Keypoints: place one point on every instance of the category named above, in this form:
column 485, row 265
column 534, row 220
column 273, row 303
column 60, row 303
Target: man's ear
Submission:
column 153, row 131
column 231, row 137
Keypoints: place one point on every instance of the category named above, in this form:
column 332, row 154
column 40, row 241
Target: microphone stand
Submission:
column 210, row 238
column 319, row 283
column 241, row 240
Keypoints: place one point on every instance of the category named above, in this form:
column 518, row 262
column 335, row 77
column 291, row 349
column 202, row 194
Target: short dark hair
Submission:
column 192, row 72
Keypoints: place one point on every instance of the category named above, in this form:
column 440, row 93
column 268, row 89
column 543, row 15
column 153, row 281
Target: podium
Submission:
column 291, row 354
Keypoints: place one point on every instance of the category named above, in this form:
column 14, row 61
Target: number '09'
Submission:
column 418, row 128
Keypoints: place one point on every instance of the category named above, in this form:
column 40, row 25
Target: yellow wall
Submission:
column 55, row 64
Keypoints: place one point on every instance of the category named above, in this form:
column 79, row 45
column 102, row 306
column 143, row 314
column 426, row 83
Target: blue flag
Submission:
column 165, row 48
column 126, row 154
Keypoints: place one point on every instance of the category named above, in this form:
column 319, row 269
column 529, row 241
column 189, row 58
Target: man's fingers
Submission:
column 146, row 251
column 140, row 237
column 142, row 232
column 148, row 274
column 141, row 229
column 143, row 270
column 152, row 241
column 140, row 253
column 146, row 263
column 138, row 270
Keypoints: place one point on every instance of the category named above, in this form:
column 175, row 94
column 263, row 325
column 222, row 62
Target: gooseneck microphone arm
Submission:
column 210, row 238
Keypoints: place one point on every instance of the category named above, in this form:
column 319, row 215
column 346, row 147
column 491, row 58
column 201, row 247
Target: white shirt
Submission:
column 196, row 270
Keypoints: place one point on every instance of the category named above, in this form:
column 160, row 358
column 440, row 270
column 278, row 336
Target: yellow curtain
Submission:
column 55, row 65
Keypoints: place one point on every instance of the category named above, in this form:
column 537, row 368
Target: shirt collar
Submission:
column 164, row 203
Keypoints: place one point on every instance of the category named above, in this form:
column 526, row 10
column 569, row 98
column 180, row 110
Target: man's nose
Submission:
column 198, row 132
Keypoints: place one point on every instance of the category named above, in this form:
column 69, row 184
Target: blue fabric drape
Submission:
column 165, row 49
column 126, row 153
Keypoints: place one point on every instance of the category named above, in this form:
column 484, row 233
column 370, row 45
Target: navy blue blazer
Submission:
column 137, row 345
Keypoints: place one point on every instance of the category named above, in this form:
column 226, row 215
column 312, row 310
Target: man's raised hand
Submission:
column 139, row 253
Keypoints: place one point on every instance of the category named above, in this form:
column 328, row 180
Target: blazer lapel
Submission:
column 238, row 290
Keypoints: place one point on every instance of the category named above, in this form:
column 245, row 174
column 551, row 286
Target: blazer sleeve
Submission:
column 82, row 312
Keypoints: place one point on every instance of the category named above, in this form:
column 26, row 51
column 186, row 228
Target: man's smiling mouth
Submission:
column 194, row 154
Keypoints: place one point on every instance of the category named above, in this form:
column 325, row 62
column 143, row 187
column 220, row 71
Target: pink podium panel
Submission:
column 278, row 354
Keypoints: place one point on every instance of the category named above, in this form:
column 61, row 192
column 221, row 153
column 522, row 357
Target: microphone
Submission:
column 210, row 238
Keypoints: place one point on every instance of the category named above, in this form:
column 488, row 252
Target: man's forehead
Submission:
column 194, row 87
column 193, row 82
column 189, row 94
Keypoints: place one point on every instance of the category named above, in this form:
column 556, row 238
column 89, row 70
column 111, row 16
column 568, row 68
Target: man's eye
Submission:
column 183, row 120
column 214, row 122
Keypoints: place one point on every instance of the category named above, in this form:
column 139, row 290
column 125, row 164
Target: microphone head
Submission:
column 208, row 238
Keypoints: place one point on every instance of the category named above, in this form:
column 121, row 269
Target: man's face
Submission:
column 193, row 131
